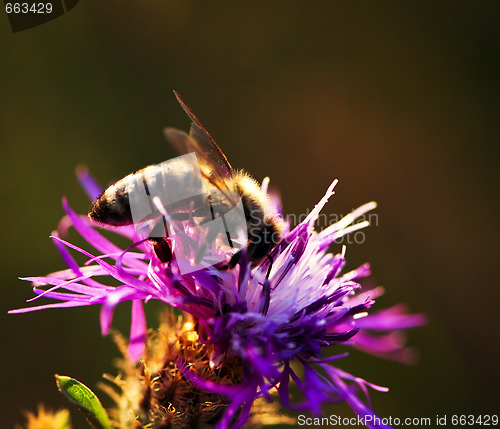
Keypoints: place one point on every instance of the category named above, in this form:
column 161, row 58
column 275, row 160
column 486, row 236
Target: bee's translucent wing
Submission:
column 205, row 147
column 184, row 144
column 222, row 196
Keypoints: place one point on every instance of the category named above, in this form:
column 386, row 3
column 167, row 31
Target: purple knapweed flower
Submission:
column 277, row 318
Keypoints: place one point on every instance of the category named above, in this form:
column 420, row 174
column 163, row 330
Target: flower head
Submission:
column 276, row 318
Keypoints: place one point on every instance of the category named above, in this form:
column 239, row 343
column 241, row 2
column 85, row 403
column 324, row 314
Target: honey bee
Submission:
column 226, row 188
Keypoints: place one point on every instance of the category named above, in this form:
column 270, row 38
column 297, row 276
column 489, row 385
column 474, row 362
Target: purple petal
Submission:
column 388, row 346
column 123, row 276
column 61, row 296
column 137, row 331
column 71, row 285
column 43, row 307
column 368, row 416
column 71, row 263
column 98, row 241
column 91, row 187
column 240, row 402
column 391, row 319
column 112, row 300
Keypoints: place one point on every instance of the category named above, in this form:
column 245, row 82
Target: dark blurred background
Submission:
column 399, row 100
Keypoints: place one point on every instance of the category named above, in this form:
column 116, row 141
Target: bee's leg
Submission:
column 265, row 297
column 161, row 246
column 234, row 260
column 271, row 262
column 226, row 229
column 162, row 250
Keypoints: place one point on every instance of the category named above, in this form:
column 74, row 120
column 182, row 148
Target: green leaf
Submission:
column 85, row 400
